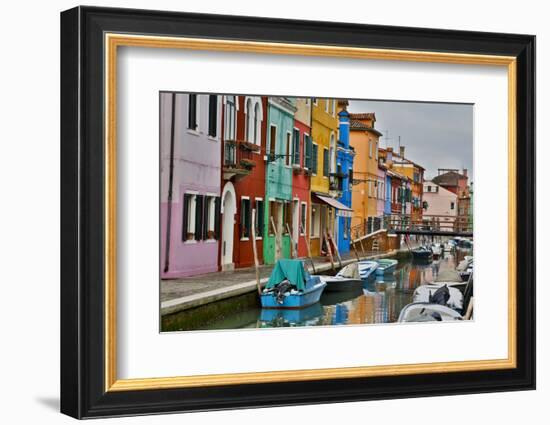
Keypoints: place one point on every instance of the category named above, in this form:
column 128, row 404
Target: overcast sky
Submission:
column 435, row 135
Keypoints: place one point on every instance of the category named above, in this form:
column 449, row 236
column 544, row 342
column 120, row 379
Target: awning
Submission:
column 342, row 210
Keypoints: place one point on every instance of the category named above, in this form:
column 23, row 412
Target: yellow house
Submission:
column 415, row 173
column 324, row 128
column 364, row 138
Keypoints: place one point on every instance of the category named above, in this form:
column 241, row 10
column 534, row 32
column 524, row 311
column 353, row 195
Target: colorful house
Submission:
column 344, row 178
column 190, row 130
column 442, row 206
column 324, row 126
column 243, row 179
column 301, row 163
column 415, row 173
column 364, row 139
column 278, row 191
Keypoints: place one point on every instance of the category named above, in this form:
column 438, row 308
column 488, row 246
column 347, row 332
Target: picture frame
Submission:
column 90, row 38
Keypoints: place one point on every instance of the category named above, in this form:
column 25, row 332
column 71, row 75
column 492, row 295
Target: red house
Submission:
column 244, row 124
column 300, row 179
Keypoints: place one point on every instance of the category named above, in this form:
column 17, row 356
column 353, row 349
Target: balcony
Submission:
column 336, row 182
column 238, row 158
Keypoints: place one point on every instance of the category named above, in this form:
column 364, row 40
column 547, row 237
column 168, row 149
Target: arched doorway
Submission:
column 228, row 210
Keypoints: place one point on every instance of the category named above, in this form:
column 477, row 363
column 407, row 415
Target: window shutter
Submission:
column 217, row 217
column 242, row 219
column 185, row 217
column 307, row 147
column 205, row 217
column 296, row 141
column 192, row 113
column 325, row 162
column 198, row 217
column 315, row 154
column 212, row 115
column 260, row 221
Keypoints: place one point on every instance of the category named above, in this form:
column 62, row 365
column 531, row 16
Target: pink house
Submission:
column 442, row 203
column 190, row 172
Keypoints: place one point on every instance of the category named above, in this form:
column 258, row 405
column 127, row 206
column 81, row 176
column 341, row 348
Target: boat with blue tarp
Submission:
column 291, row 286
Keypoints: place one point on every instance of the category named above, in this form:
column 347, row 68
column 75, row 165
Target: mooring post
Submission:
column 255, row 250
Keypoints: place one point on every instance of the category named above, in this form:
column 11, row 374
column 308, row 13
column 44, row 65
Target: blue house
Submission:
column 344, row 164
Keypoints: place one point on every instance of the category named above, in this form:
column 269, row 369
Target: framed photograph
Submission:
column 261, row 212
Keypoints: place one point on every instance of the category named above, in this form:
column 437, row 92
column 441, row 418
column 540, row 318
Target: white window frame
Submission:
column 191, row 213
column 240, row 216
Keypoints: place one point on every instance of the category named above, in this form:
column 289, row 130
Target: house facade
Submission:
column 324, row 127
column 364, row 138
column 243, row 179
column 456, row 182
column 190, row 138
column 415, row 173
column 344, row 178
column 301, row 165
column 278, row 189
column 442, row 206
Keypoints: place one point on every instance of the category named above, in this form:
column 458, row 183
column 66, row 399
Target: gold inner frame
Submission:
column 113, row 41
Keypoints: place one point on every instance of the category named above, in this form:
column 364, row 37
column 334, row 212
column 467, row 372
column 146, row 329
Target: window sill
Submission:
column 190, row 242
column 193, row 132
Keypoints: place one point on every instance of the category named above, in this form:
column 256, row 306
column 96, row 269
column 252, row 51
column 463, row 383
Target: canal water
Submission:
column 380, row 300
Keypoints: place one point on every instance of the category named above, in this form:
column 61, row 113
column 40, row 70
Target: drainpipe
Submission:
column 170, row 186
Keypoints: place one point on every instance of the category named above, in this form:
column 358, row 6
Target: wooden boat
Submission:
column 427, row 312
column 385, row 265
column 291, row 286
column 350, row 276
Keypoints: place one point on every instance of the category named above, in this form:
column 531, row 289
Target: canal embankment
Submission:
column 177, row 295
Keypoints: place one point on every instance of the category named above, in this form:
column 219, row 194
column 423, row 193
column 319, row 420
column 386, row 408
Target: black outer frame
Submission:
column 82, row 208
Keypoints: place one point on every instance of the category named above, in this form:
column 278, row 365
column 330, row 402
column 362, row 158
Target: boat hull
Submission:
column 294, row 301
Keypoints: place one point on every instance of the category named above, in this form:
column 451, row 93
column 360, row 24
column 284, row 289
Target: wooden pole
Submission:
column 362, row 248
column 277, row 240
column 292, row 244
column 308, row 249
column 355, row 250
column 329, row 250
column 336, row 249
column 255, row 250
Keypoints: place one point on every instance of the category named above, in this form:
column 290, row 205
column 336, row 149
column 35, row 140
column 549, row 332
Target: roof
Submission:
column 364, row 116
column 449, row 178
column 359, row 126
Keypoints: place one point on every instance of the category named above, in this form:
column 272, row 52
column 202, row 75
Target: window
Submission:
column 199, row 217
column 188, row 218
column 429, row 188
column 452, row 205
column 370, row 148
column 303, row 214
column 325, row 162
column 288, row 157
column 259, row 218
column 314, row 101
column 296, row 146
column 287, row 217
column 245, row 218
column 332, row 157
column 376, row 150
column 273, row 216
column 212, row 115
column 192, row 112
column 210, row 217
column 314, row 158
column 248, row 121
column 315, row 221
column 272, row 141
column 230, row 115
column 333, row 107
column 257, row 124
column 326, row 105
column 350, row 178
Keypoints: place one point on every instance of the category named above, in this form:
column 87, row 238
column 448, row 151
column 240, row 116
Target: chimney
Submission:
column 402, row 151
column 465, row 172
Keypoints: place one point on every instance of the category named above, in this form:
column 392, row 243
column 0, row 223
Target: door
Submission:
column 229, row 210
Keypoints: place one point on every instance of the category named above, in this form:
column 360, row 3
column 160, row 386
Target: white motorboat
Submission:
column 427, row 312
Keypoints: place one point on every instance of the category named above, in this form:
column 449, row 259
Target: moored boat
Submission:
column 427, row 312
column 437, row 250
column 385, row 265
column 291, row 286
column 422, row 253
column 349, row 276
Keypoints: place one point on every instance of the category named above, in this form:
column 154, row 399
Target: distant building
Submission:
column 442, row 206
column 415, row 173
column 456, row 182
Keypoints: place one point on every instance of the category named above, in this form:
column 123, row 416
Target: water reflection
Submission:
column 379, row 300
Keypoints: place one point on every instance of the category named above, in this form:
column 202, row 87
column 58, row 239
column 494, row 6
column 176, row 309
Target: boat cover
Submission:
column 291, row 270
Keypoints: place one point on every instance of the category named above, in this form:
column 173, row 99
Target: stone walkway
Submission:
column 182, row 294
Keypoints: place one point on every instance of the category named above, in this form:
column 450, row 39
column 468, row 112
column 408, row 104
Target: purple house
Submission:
column 190, row 172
